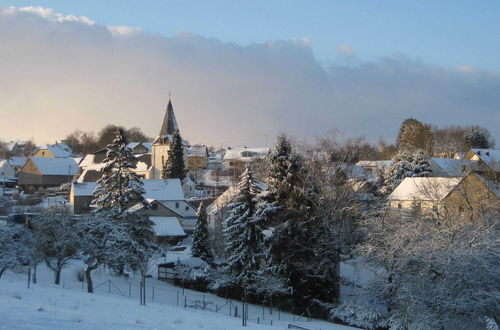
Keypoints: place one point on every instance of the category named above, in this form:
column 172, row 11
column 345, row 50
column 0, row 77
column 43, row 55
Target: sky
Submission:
column 242, row 71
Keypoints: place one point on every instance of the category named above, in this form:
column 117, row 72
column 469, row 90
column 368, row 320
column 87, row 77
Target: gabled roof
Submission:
column 452, row 166
column 199, row 151
column 59, row 150
column 490, row 157
column 17, row 161
column 146, row 145
column 424, row 189
column 167, row 226
column 6, row 170
column 55, row 166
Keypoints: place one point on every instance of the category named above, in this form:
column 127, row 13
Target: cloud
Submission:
column 122, row 30
column 65, row 74
column 346, row 50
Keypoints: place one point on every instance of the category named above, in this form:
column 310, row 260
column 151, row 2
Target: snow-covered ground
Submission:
column 115, row 305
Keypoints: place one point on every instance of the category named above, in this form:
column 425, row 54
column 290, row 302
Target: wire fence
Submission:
column 189, row 299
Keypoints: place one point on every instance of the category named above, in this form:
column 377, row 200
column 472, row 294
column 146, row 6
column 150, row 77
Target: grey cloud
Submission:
column 57, row 76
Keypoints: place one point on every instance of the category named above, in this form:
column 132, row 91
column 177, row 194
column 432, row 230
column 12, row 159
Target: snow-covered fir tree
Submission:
column 117, row 190
column 404, row 164
column 477, row 137
column 15, row 242
column 414, row 134
column 174, row 165
column 119, row 186
column 242, row 231
column 201, row 241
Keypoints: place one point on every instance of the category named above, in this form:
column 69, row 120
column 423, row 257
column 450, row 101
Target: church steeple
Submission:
column 169, row 124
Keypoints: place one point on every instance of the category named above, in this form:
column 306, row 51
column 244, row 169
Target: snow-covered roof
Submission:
column 246, row 153
column 169, row 189
column 56, row 166
column 452, row 166
column 167, row 226
column 59, row 150
column 146, row 145
column 424, row 189
column 374, row 163
column 198, row 151
column 181, row 207
column 17, row 161
column 490, row 156
column 6, row 170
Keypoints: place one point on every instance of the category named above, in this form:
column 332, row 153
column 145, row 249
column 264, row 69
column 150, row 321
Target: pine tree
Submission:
column 242, row 231
column 118, row 189
column 201, row 243
column 174, row 165
column 478, row 137
column 119, row 186
column 404, row 164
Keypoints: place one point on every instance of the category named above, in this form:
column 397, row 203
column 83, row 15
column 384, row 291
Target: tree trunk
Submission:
column 34, row 273
column 57, row 279
column 90, row 285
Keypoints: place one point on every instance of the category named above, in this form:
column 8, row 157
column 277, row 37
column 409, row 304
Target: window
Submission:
column 399, row 205
column 176, row 205
column 231, row 163
column 187, row 208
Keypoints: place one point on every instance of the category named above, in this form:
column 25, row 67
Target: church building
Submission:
column 161, row 144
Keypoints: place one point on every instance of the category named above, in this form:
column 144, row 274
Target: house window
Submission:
column 176, row 205
column 231, row 163
column 187, row 208
column 399, row 205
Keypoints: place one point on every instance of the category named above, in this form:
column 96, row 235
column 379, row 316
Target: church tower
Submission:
column 161, row 144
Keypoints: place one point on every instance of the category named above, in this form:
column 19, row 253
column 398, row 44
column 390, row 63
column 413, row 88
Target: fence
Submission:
column 185, row 298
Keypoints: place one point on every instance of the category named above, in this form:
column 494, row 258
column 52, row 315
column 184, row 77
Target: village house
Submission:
column 17, row 162
column 459, row 196
column 197, row 157
column 488, row 161
column 42, row 172
column 140, row 147
column 57, row 150
column 237, row 158
column 7, row 174
column 91, row 165
column 451, row 167
column 16, row 148
column 167, row 224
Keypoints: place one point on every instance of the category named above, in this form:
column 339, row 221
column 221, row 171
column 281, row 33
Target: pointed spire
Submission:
column 169, row 124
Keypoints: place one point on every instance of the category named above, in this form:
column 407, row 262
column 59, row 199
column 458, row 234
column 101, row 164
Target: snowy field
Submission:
column 115, row 305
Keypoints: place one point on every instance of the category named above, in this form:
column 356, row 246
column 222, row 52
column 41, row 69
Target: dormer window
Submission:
column 176, row 205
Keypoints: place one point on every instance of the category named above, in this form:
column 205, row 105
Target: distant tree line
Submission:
column 82, row 142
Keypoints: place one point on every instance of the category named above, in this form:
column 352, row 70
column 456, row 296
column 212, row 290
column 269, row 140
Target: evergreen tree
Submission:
column 117, row 190
column 119, row 187
column 201, row 243
column 413, row 134
column 404, row 164
column 478, row 137
column 174, row 165
column 242, row 231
